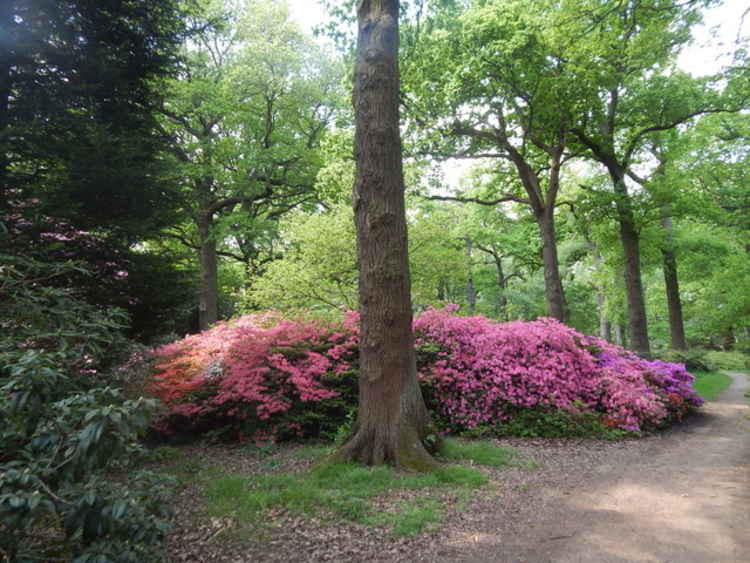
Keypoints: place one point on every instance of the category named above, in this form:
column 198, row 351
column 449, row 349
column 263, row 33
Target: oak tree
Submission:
column 392, row 424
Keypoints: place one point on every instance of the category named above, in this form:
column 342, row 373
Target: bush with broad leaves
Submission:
column 68, row 440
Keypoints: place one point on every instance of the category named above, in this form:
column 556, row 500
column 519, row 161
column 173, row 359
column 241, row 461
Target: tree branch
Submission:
column 489, row 202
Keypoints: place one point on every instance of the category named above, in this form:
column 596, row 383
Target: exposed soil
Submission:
column 677, row 497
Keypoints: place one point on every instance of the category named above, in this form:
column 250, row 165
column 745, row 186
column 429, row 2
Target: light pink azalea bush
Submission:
column 269, row 377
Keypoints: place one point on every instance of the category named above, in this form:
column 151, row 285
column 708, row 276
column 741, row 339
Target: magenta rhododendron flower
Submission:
column 269, row 377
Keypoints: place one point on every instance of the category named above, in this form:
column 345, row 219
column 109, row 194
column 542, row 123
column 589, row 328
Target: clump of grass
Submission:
column 314, row 451
column 412, row 519
column 163, row 454
column 340, row 491
column 479, row 452
column 415, row 519
column 710, row 384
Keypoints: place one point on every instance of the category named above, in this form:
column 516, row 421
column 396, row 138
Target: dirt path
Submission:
column 681, row 498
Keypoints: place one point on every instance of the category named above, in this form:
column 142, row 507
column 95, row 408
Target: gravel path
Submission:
column 683, row 498
column 679, row 497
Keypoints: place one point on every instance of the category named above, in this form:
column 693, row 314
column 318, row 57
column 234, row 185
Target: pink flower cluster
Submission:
column 264, row 372
column 484, row 371
column 254, row 373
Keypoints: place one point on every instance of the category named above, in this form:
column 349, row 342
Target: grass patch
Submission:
column 315, row 451
column 411, row 519
column 479, row 452
column 415, row 519
column 344, row 491
column 709, row 384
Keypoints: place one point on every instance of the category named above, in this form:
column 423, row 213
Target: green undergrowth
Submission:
column 403, row 503
column 480, row 452
column 710, row 384
column 539, row 422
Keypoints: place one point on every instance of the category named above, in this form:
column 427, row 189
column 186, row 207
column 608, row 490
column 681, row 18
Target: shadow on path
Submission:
column 682, row 498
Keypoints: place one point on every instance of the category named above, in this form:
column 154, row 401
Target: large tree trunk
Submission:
column 208, row 298
column 630, row 240
column 392, row 421
column 676, row 325
column 553, row 288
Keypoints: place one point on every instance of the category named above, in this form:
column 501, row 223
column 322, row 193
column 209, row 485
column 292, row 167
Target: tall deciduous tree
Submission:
column 244, row 119
column 669, row 250
column 392, row 421
column 627, row 61
column 510, row 100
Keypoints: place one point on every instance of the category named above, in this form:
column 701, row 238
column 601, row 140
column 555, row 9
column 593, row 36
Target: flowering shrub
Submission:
column 268, row 377
column 260, row 376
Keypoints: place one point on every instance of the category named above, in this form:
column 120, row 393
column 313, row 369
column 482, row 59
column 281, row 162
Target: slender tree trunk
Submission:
column 6, row 40
column 471, row 292
column 619, row 335
column 630, row 240
column 553, row 288
column 669, row 255
column 441, row 290
column 4, row 123
column 502, row 282
column 605, row 327
column 208, row 298
column 392, row 421
column 728, row 339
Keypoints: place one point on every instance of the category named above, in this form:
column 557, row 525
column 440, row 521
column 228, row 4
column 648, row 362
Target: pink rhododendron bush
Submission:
column 267, row 377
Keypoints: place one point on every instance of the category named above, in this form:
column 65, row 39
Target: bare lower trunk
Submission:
column 392, row 421
column 630, row 240
column 605, row 327
column 471, row 292
column 619, row 335
column 672, row 286
column 728, row 339
column 553, row 288
column 502, row 282
column 208, row 298
column 638, row 323
column 6, row 24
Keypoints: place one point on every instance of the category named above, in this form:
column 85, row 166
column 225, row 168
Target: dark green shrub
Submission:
column 693, row 358
column 557, row 423
column 727, row 360
column 68, row 441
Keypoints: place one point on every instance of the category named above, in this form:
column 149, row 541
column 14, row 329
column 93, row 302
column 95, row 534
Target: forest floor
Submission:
column 681, row 496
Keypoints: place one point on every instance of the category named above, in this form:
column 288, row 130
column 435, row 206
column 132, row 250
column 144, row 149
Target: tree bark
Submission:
column 208, row 298
column 553, row 288
column 441, row 290
column 6, row 45
column 471, row 291
column 619, row 335
column 502, row 282
column 605, row 327
column 630, row 240
column 392, row 421
column 671, row 283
